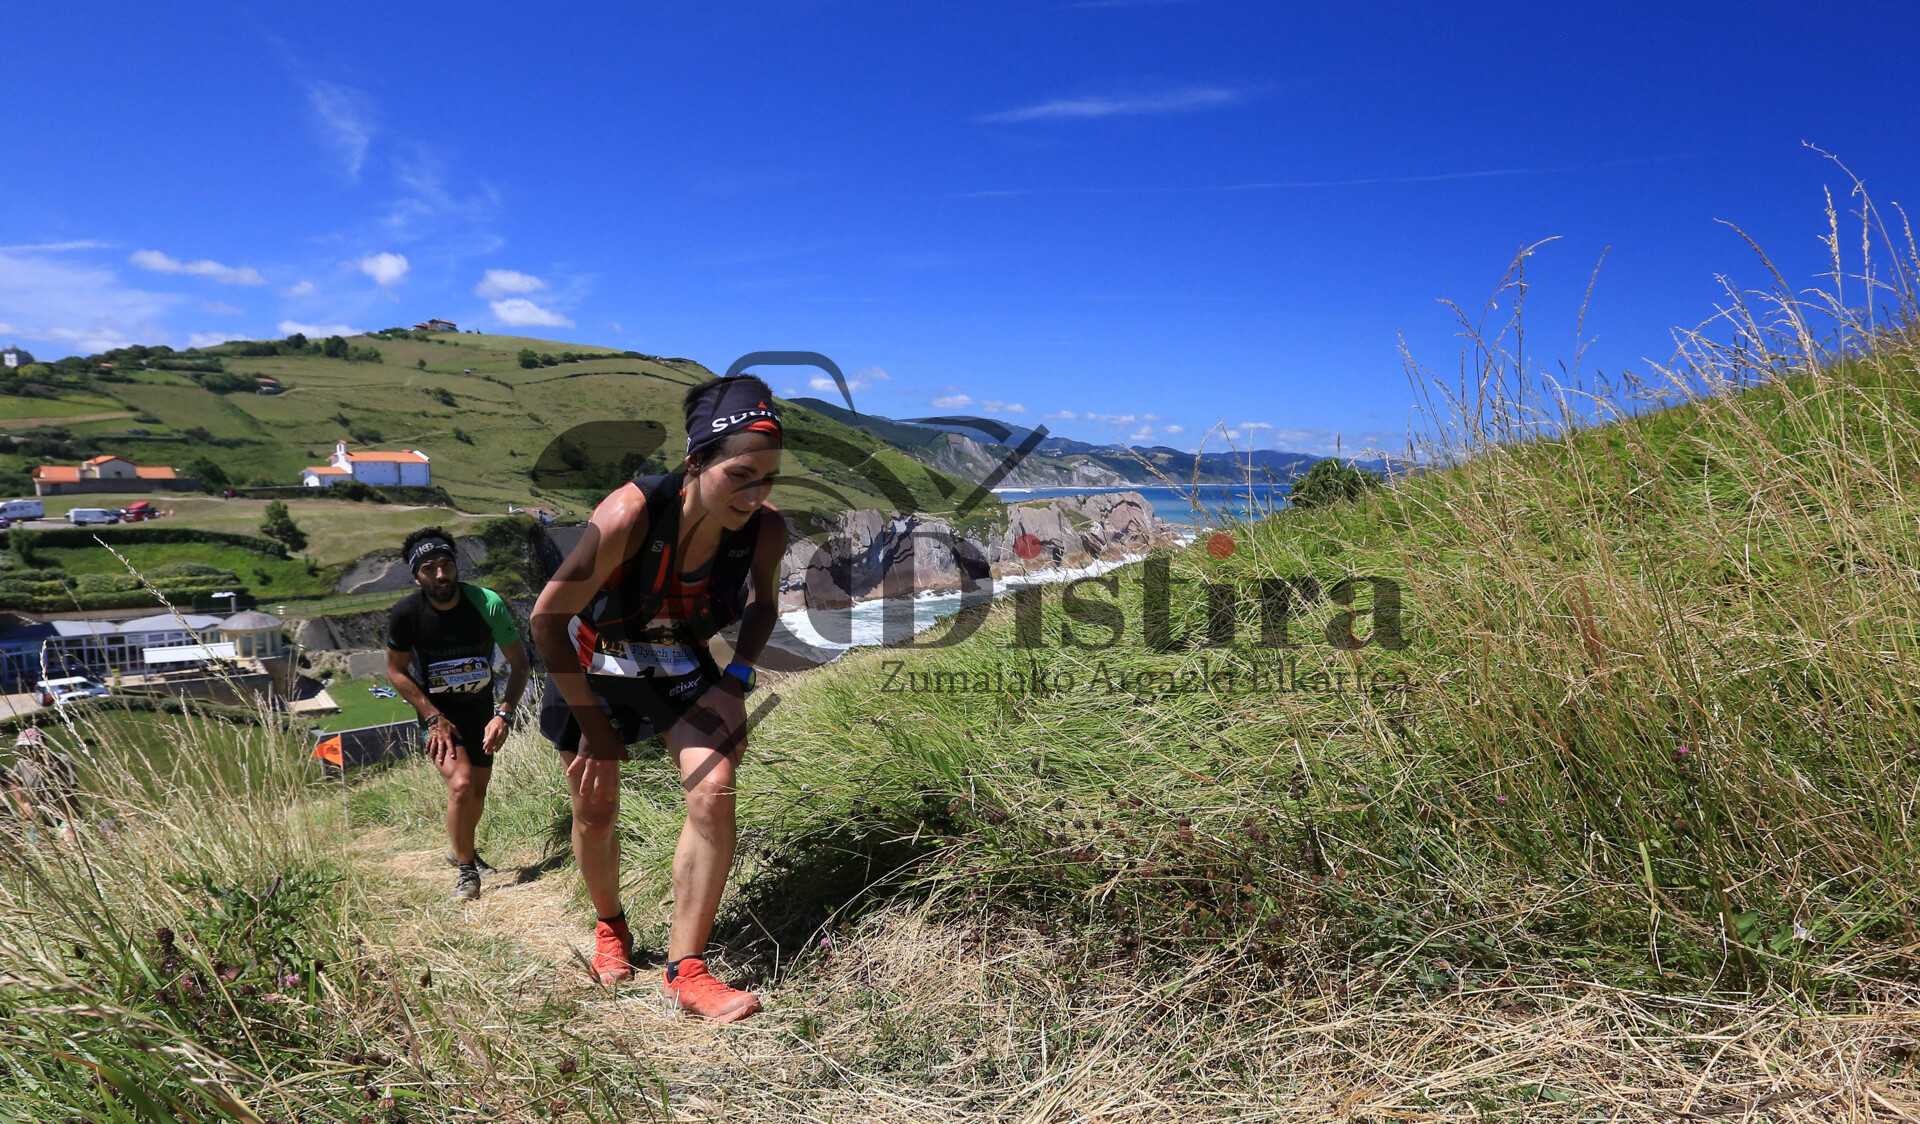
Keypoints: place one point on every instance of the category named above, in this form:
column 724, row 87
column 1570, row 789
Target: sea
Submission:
column 1192, row 507
column 824, row 634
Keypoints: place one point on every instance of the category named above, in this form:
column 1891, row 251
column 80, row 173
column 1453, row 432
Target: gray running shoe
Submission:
column 468, row 885
column 479, row 864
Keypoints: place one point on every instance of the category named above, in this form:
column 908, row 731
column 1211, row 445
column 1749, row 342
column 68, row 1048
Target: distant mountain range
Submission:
column 971, row 450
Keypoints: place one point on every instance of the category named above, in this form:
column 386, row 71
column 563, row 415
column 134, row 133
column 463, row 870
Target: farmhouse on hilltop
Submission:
column 11, row 357
column 436, row 326
column 108, row 474
column 410, row 467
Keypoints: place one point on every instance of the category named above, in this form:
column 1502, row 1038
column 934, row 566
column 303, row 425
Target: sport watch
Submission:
column 745, row 674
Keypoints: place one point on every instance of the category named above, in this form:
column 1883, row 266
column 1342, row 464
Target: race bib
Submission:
column 633, row 657
column 464, row 676
column 602, row 655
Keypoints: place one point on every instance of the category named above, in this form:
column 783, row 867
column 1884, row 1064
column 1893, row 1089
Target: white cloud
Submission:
column 220, row 308
column 345, row 123
column 999, row 407
column 1173, row 429
column 156, row 262
column 386, row 269
column 952, row 402
column 1062, row 415
column 303, row 289
column 789, row 392
column 1144, row 433
column 316, row 331
column 519, row 312
column 1101, row 105
column 85, row 306
column 505, row 282
column 1255, row 425
column 209, row 339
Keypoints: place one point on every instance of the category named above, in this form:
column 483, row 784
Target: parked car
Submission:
column 18, row 510
column 138, row 511
column 82, row 516
column 59, row 692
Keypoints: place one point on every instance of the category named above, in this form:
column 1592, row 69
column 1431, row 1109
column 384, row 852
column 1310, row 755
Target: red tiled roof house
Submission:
column 108, row 474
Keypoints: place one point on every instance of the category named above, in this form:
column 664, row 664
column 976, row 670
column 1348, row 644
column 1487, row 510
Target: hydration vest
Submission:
column 633, row 593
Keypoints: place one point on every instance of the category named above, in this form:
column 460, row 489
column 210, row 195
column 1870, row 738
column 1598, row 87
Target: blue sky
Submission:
column 1128, row 219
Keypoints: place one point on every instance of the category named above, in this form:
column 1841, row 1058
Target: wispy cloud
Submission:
column 301, row 289
column 996, row 406
column 220, row 308
column 1363, row 181
column 156, row 262
column 1110, row 105
column 86, row 307
column 519, row 312
column 952, row 402
column 856, row 380
column 56, row 247
column 344, row 121
column 315, row 331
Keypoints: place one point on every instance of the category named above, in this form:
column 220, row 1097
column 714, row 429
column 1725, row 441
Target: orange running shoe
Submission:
column 612, row 952
column 697, row 992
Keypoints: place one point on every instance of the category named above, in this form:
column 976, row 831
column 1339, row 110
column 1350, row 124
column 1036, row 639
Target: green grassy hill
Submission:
column 464, row 400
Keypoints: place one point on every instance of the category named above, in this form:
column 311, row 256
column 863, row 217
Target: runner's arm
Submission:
column 401, row 676
column 516, row 654
column 763, row 599
column 618, row 525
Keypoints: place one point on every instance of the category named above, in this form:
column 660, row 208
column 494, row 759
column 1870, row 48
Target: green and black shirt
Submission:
column 453, row 649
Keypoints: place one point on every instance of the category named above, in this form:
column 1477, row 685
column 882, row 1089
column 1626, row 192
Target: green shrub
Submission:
column 1330, row 482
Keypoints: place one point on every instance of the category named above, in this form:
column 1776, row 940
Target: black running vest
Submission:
column 633, row 593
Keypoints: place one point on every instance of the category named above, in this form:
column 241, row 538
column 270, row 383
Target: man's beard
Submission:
column 440, row 590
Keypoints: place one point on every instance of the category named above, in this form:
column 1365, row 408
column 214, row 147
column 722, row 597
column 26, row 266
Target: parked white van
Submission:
column 59, row 692
column 23, row 509
column 80, row 516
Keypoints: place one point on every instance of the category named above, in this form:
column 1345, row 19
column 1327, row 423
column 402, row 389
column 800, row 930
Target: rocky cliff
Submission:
column 866, row 554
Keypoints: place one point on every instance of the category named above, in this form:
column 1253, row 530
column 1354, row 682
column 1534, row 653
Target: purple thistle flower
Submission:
column 1501, row 800
column 1682, row 751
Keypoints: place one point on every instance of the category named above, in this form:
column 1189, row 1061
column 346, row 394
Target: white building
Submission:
column 410, row 467
column 11, row 357
column 101, row 646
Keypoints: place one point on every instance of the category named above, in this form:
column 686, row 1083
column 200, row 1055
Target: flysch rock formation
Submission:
column 866, row 554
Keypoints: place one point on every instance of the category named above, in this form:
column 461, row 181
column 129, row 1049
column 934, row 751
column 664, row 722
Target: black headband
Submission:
column 738, row 404
column 427, row 549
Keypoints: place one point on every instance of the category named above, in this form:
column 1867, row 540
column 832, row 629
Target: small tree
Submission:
column 210, row 475
column 297, row 341
column 420, row 363
column 1330, row 482
column 334, row 348
column 529, row 358
column 279, row 525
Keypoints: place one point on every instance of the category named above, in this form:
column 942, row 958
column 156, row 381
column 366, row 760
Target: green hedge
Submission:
column 354, row 490
column 24, row 543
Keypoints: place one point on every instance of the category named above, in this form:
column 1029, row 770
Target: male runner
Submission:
column 623, row 627
column 440, row 642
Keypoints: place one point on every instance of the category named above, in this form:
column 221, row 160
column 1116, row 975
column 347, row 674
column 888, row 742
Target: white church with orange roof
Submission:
column 410, row 467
